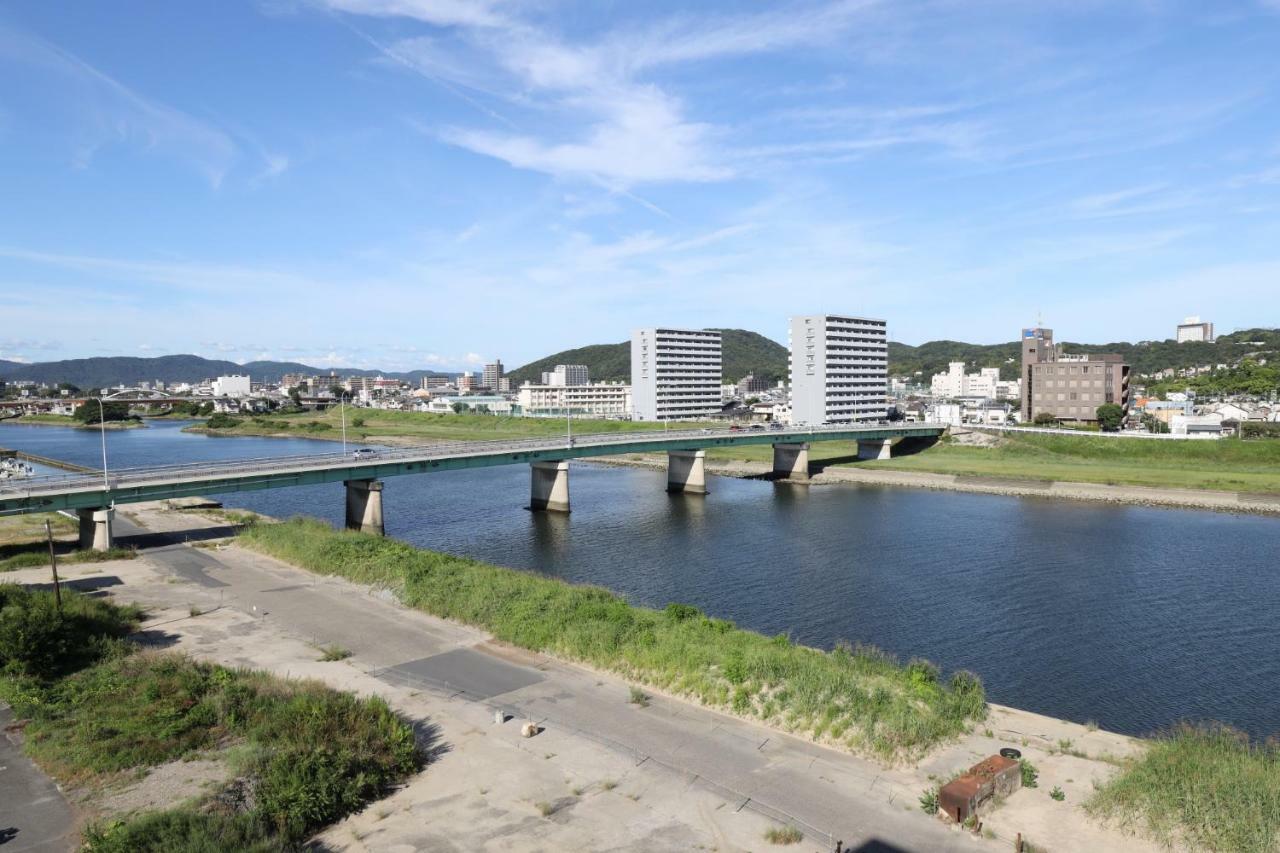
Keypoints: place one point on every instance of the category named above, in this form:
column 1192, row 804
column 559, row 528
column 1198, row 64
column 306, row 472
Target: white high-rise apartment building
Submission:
column 1194, row 329
column 839, row 369
column 675, row 373
column 567, row 374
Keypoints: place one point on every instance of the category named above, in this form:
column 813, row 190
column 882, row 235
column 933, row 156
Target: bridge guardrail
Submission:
column 120, row 477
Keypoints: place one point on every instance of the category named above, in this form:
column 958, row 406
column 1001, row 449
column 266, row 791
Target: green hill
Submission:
column 105, row 371
column 1145, row 357
column 742, row 352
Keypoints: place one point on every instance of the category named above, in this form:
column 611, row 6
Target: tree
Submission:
column 459, row 407
column 221, row 420
column 1045, row 419
column 88, row 412
column 337, row 390
column 296, row 396
column 1110, row 416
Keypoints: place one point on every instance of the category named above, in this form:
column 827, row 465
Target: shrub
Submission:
column 1029, row 774
column 221, row 420
column 783, row 835
column 1207, row 787
column 1057, row 794
column 357, row 422
column 39, row 641
column 929, row 801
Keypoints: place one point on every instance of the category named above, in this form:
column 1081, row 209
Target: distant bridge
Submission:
column 94, row 496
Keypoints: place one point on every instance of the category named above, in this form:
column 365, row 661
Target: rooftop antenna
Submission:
column 1039, row 319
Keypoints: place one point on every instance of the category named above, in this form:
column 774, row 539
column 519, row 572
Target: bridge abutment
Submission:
column 687, row 472
column 791, row 462
column 364, row 506
column 95, row 529
column 878, row 448
column 549, row 486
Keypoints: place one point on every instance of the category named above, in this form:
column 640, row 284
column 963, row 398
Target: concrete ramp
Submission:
column 476, row 674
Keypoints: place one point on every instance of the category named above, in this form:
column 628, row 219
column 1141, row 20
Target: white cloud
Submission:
column 440, row 13
column 641, row 139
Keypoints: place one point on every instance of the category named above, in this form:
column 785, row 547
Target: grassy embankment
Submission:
column 97, row 712
column 855, row 698
column 1225, row 465
column 67, row 420
column 374, row 424
column 23, row 543
column 1207, row 787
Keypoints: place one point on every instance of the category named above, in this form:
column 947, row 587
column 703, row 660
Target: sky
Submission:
column 409, row 184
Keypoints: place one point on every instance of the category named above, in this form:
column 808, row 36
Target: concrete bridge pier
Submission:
column 95, row 528
column 687, row 472
column 791, row 462
column 874, row 449
column 364, row 506
column 549, row 486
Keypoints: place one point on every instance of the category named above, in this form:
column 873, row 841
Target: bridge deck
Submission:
column 130, row 485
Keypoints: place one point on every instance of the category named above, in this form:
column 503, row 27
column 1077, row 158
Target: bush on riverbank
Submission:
column 39, row 642
column 854, row 697
column 1207, row 786
column 304, row 755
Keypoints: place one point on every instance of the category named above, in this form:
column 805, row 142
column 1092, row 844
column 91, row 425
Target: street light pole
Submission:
column 342, row 407
column 102, row 428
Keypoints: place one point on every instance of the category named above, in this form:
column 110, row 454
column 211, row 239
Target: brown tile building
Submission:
column 1069, row 387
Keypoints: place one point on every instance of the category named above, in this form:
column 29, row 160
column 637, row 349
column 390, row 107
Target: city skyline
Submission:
column 292, row 180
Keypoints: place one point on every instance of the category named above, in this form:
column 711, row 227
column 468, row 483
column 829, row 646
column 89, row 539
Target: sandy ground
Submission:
column 602, row 774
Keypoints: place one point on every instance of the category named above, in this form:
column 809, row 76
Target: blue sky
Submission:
column 431, row 183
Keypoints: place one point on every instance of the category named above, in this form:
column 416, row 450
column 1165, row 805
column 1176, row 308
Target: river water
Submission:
column 1134, row 617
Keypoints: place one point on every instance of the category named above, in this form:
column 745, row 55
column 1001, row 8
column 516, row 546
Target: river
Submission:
column 1132, row 617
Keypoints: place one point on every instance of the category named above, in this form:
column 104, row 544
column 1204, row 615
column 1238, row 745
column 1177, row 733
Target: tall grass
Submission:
column 854, row 697
column 311, row 754
column 1206, row 786
column 93, row 707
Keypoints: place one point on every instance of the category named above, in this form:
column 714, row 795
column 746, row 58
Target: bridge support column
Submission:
column 364, row 506
column 549, row 486
column 687, row 472
column 791, row 462
column 95, row 529
column 874, row 449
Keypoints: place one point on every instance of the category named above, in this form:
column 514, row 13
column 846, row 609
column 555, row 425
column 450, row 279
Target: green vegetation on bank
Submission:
column 23, row 543
column 97, row 711
column 854, row 697
column 1206, row 787
column 421, row 426
column 1224, row 465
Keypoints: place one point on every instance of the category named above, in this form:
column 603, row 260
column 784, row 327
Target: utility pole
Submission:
column 53, row 562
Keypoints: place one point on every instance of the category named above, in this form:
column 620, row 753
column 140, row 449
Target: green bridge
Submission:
column 94, row 495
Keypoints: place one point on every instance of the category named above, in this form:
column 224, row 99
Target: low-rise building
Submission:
column 232, row 386
column 599, row 399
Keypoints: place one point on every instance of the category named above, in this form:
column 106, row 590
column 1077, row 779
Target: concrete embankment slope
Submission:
column 50, row 462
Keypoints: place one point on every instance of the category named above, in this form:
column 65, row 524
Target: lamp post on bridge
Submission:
column 342, row 408
column 102, row 429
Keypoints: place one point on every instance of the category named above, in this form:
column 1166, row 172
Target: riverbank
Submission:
column 603, row 771
column 1240, row 502
column 68, row 421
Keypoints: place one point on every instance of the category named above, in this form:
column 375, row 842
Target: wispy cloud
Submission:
column 105, row 111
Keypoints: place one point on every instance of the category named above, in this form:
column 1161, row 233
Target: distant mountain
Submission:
column 742, row 352
column 104, row 372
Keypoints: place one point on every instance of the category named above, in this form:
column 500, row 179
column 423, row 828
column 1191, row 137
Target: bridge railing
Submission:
column 313, row 461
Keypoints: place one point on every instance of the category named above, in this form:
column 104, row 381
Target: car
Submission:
column 706, row 429
column 756, row 426
column 776, row 425
column 364, row 453
column 735, row 428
